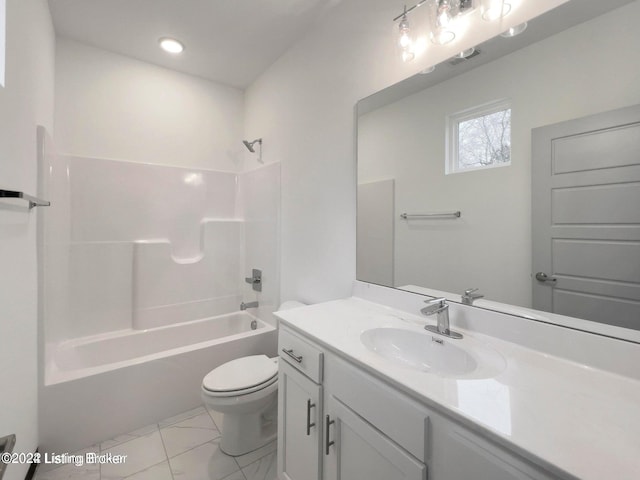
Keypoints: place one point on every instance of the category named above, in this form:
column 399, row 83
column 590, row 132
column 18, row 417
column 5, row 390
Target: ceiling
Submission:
column 227, row 41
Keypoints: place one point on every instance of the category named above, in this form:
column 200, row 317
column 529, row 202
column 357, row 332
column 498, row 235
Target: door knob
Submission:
column 543, row 277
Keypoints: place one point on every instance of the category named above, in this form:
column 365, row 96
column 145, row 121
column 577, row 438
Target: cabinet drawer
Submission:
column 404, row 421
column 300, row 354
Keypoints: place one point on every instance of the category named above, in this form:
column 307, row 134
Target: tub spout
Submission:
column 244, row 306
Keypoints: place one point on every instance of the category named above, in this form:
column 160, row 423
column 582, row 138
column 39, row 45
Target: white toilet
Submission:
column 245, row 390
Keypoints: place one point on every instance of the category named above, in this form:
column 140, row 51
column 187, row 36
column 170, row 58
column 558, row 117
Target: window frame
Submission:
column 452, row 134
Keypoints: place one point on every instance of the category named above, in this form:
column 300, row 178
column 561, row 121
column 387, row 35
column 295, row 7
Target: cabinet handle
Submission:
column 309, row 424
column 328, row 423
column 297, row 358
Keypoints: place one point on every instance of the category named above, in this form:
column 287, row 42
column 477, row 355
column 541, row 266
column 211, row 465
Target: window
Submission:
column 479, row 138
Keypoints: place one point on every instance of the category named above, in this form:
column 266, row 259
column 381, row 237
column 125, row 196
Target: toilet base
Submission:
column 246, row 432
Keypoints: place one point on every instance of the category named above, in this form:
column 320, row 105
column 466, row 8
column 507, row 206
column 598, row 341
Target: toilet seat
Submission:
column 240, row 393
column 241, row 376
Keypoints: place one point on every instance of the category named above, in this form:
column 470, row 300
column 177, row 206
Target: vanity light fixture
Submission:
column 515, row 30
column 171, row 45
column 442, row 20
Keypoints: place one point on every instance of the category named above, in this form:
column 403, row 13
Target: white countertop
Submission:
column 576, row 420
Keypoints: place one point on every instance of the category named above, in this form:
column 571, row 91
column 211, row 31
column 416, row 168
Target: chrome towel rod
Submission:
column 407, row 216
column 33, row 201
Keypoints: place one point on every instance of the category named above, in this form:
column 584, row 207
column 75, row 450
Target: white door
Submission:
column 299, row 425
column 354, row 450
column 586, row 218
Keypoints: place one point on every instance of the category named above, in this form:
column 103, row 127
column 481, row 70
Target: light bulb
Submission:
column 405, row 40
column 440, row 17
column 444, row 13
column 405, row 32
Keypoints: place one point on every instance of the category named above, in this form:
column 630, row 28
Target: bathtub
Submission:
column 101, row 386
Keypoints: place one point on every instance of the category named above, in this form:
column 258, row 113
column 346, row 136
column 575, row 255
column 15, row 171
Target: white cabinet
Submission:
column 355, row 450
column 343, row 434
column 299, row 425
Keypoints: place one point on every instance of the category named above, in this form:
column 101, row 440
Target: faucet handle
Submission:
column 436, row 305
column 441, row 302
column 255, row 280
column 469, row 293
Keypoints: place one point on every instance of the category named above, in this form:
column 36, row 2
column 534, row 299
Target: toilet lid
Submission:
column 241, row 374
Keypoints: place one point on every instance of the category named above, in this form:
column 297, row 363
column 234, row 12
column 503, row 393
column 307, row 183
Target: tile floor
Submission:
column 184, row 447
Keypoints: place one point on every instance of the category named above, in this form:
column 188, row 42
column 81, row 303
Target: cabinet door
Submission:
column 354, row 450
column 299, row 425
column 463, row 455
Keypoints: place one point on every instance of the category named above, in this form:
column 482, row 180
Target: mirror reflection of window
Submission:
column 480, row 137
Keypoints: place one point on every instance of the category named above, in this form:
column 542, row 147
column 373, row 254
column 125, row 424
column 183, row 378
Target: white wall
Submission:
column 557, row 79
column 25, row 101
column 303, row 106
column 114, row 107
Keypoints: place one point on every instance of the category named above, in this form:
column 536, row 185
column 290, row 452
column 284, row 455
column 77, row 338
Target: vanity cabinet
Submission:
column 340, row 422
column 328, row 425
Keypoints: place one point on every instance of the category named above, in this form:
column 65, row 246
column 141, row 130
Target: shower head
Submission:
column 250, row 145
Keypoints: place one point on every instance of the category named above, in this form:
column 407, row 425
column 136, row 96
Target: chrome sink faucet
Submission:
column 469, row 296
column 244, row 306
column 440, row 308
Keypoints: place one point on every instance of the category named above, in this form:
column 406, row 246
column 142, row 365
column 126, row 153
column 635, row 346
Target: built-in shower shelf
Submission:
column 33, row 201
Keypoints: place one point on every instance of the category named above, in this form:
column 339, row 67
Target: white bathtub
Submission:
column 101, row 386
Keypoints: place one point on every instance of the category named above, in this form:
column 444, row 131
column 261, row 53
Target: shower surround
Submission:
column 133, row 253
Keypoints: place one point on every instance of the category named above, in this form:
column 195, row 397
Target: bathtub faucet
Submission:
column 244, row 306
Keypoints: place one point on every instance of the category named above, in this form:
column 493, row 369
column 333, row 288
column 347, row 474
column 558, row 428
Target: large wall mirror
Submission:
column 518, row 170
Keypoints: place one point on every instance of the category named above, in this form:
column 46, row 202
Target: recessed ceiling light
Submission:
column 171, row 45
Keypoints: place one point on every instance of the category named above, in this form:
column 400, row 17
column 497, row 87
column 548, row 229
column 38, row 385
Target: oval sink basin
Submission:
column 426, row 352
